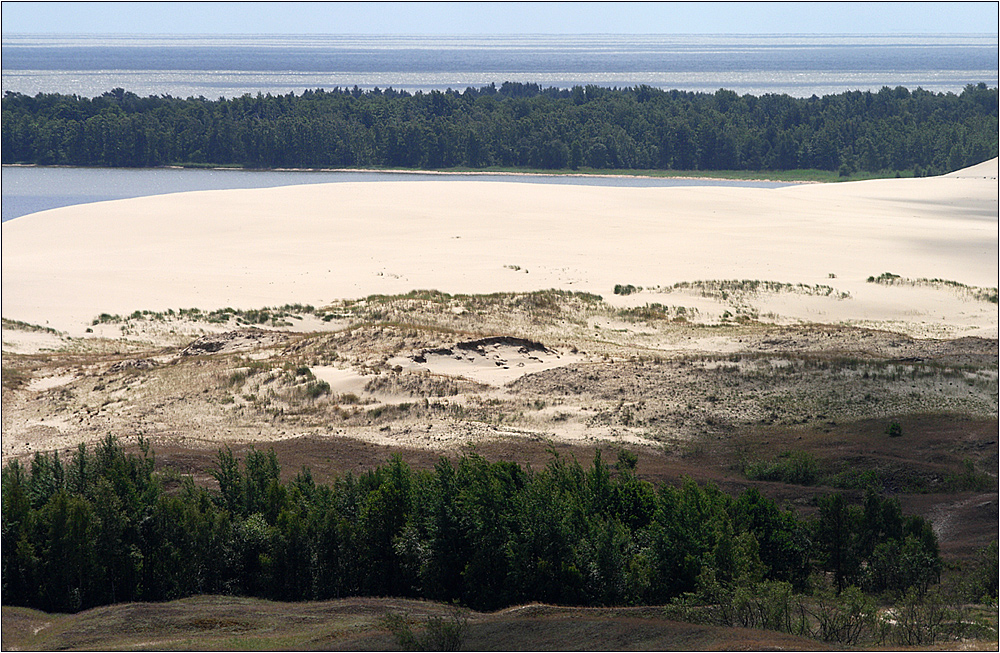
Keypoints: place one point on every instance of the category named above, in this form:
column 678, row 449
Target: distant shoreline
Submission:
column 455, row 173
column 591, row 175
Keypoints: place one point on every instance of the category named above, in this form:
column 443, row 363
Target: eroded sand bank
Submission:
column 316, row 243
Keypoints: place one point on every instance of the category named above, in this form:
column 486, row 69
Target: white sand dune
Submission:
column 316, row 243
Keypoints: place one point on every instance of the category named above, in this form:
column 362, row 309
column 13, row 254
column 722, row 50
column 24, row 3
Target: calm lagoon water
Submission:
column 28, row 190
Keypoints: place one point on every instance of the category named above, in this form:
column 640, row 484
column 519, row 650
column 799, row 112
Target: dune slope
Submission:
column 316, row 243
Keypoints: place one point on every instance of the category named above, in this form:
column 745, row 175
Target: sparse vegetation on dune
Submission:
column 18, row 325
column 724, row 288
column 656, row 311
column 779, row 375
column 976, row 293
column 274, row 317
column 738, row 302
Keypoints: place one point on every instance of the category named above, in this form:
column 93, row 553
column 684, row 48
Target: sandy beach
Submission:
column 317, row 243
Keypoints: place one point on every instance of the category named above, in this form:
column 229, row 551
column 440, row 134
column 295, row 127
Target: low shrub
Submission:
column 627, row 289
column 439, row 633
column 795, row 467
column 317, row 389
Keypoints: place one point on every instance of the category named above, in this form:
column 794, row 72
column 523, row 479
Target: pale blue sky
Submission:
column 498, row 17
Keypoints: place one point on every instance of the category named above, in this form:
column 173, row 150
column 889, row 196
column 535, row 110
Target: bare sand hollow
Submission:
column 317, row 243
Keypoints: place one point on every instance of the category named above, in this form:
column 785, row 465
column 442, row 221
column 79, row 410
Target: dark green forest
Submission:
column 512, row 126
column 104, row 528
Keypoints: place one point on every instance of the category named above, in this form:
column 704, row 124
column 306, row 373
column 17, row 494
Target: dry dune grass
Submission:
column 216, row 623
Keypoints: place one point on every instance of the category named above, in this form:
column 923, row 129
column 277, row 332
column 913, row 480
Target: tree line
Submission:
column 100, row 529
column 512, row 126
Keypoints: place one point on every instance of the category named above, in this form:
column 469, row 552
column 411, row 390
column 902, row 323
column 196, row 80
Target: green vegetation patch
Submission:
column 802, row 468
column 795, row 467
column 481, row 534
column 485, row 534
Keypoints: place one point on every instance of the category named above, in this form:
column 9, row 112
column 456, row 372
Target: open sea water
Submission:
column 228, row 66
